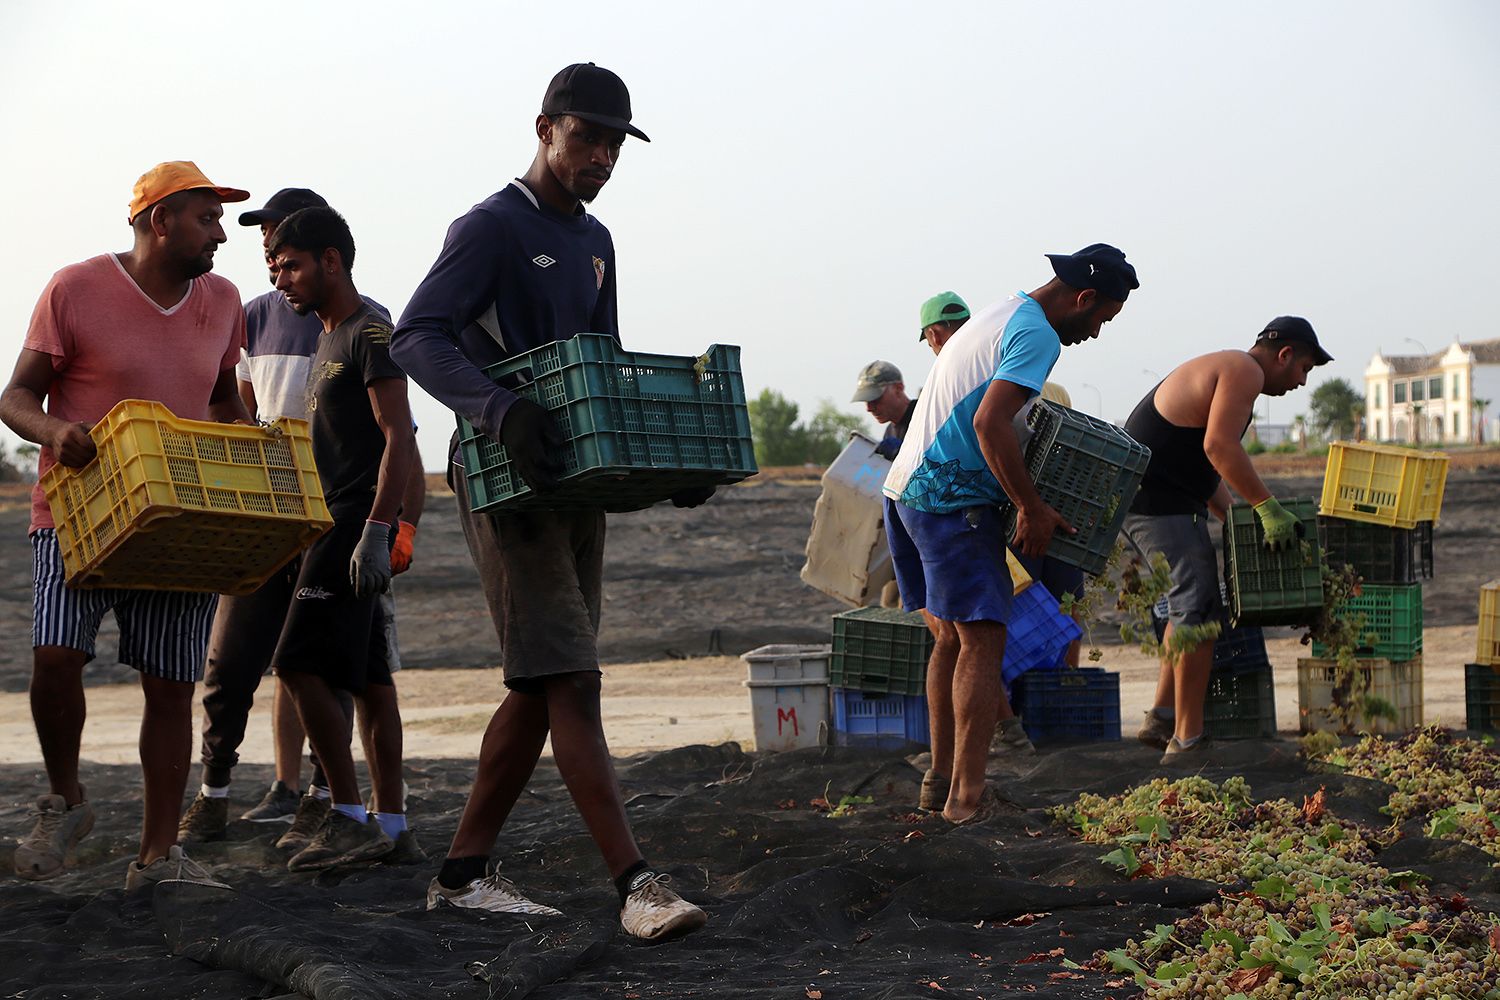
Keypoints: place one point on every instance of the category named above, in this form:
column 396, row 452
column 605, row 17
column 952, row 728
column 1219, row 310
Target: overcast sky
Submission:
column 817, row 169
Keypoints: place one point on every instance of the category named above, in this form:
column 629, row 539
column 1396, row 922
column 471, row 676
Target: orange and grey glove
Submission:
column 1280, row 525
column 406, row 536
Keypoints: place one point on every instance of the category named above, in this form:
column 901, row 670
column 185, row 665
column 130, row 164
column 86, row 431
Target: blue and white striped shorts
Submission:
column 162, row 633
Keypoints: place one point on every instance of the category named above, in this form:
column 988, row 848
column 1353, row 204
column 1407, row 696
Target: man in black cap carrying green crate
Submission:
column 526, row 267
column 1193, row 422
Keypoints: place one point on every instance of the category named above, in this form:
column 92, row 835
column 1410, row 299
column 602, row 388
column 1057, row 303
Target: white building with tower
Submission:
column 1451, row 397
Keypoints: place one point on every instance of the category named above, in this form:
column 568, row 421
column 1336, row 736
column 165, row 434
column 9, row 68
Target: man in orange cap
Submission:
column 149, row 323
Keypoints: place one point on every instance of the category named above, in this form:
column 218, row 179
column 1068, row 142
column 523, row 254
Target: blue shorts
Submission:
column 951, row 564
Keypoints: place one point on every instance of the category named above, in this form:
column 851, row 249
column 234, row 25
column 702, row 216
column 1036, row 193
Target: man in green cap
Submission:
column 940, row 318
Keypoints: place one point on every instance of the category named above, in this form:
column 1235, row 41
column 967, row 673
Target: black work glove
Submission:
column 693, row 498
column 534, row 442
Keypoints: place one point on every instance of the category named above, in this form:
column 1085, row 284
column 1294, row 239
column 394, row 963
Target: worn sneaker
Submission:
column 1178, row 755
column 206, row 819
column 56, row 831
column 1011, row 740
column 1156, row 732
column 278, row 806
column 492, row 893
column 175, row 867
column 653, row 912
column 309, row 817
column 934, row 794
column 370, row 799
column 341, row 840
column 991, row 804
column 407, row 851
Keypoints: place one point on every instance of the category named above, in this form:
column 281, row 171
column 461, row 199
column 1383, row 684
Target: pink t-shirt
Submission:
column 109, row 341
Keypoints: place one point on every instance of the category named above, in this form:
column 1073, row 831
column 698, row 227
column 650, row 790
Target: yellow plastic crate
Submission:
column 1400, row 684
column 1019, row 578
column 1489, row 624
column 1383, row 484
column 172, row 504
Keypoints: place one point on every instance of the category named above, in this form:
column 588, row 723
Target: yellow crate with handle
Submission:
column 1383, row 484
column 1019, row 578
column 173, row 504
column 1489, row 625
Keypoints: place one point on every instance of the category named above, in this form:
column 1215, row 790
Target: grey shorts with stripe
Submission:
column 1195, row 597
column 162, row 633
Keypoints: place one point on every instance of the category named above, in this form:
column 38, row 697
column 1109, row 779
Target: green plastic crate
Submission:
column 639, row 427
column 1482, row 697
column 1088, row 470
column 1272, row 588
column 880, row 650
column 1241, row 701
column 1392, row 628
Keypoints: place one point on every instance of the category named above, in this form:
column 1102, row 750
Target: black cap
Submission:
column 592, row 93
column 281, row 204
column 1295, row 330
column 1098, row 266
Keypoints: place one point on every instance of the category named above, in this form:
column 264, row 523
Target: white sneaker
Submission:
column 492, row 893
column 175, row 867
column 56, row 831
column 652, row 911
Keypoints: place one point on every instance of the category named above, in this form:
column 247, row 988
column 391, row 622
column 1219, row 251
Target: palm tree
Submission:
column 1480, row 405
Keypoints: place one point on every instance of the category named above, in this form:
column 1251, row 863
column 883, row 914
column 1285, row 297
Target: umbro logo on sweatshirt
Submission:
column 542, row 260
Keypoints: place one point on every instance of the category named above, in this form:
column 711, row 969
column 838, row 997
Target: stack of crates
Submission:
column 878, row 667
column 1482, row 677
column 1377, row 513
column 1241, row 700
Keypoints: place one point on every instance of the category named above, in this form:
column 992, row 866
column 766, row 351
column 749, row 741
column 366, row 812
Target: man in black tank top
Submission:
column 1193, row 422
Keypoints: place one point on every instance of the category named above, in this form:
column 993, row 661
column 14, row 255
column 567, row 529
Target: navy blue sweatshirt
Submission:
column 545, row 274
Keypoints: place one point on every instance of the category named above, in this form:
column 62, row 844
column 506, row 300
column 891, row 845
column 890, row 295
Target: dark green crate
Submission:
column 1482, row 697
column 1241, row 700
column 1378, row 553
column 1273, row 588
column 1088, row 470
column 880, row 650
column 1392, row 628
column 639, row 427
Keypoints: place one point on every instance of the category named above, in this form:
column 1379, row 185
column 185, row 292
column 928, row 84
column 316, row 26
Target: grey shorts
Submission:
column 1184, row 540
column 543, row 579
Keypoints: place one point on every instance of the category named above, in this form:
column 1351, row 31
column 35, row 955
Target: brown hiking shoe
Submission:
column 1156, row 732
column 934, row 794
column 407, row 851
column 56, row 830
column 342, row 840
column 310, row 814
column 206, row 819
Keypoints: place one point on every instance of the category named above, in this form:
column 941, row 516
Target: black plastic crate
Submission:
column 1241, row 699
column 1071, row 705
column 1482, row 697
column 1378, row 553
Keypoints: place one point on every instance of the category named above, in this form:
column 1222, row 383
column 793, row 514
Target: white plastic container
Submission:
column 847, row 555
column 788, row 695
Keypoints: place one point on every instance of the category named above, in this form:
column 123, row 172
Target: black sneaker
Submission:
column 342, row 840
column 278, row 806
column 310, row 814
column 206, row 819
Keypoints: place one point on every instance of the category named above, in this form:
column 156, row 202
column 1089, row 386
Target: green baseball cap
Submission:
column 945, row 307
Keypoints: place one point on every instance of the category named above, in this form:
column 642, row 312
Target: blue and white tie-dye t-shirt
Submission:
column 940, row 467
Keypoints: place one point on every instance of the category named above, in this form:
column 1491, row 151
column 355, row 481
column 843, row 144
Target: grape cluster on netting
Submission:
column 1307, row 910
column 1452, row 783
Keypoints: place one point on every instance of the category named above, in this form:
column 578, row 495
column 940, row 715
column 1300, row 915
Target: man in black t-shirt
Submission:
column 333, row 639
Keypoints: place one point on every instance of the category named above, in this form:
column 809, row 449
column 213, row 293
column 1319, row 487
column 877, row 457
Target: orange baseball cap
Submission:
column 171, row 177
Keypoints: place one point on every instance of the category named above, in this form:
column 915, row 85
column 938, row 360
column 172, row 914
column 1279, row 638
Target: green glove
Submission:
column 1280, row 525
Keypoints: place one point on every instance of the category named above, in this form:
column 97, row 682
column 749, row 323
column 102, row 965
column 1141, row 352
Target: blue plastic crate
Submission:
column 1079, row 705
column 1038, row 635
column 885, row 721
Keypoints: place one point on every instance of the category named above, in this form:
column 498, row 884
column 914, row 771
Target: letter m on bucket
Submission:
column 784, row 716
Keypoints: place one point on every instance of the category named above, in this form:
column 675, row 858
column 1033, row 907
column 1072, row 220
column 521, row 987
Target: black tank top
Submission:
column 1179, row 478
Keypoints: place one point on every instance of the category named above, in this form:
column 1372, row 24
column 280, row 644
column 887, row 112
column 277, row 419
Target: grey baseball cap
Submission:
column 873, row 380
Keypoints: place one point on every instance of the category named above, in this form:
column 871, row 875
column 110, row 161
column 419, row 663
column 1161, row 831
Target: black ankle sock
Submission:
column 459, row 872
column 622, row 883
